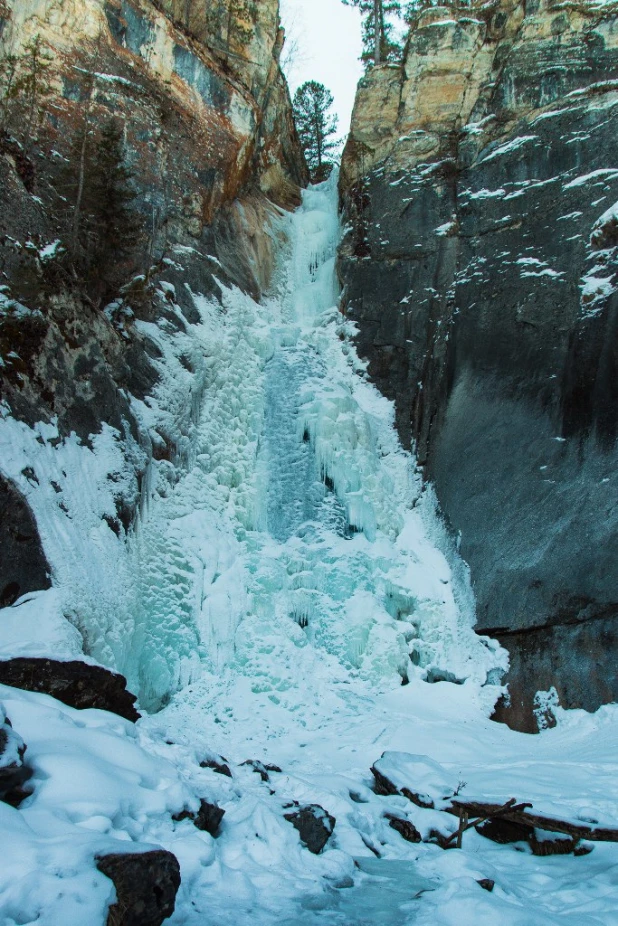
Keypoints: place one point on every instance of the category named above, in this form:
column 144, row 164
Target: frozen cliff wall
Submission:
column 208, row 135
column 480, row 186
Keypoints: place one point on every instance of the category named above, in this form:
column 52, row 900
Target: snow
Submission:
column 443, row 231
column 50, row 250
column 533, row 267
column 36, row 627
column 420, row 773
column 488, row 194
column 286, row 591
column 513, row 145
column 604, row 173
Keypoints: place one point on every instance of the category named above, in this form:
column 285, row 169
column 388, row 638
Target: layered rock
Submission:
column 480, row 266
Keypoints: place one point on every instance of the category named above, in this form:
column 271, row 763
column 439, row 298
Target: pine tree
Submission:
column 379, row 44
column 9, row 66
column 32, row 86
column 232, row 21
column 315, row 126
column 105, row 228
column 111, row 199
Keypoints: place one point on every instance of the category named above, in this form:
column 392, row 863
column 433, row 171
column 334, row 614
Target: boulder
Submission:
column 146, row 886
column 419, row 778
column 217, row 765
column 208, row 818
column 261, row 769
column 314, row 824
column 406, row 829
column 13, row 772
column 74, row 683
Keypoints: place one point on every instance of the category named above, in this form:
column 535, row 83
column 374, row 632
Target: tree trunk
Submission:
column 377, row 18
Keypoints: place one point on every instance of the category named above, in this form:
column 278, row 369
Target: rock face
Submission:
column 23, row 566
column 74, row 683
column 146, row 887
column 481, row 264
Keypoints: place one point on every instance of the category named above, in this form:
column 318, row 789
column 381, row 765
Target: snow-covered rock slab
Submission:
column 75, row 683
column 420, row 779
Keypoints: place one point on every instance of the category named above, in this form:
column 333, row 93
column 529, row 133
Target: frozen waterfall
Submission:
column 301, row 537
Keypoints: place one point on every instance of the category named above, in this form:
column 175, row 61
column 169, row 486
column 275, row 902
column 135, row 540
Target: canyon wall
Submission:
column 480, row 264
column 209, row 139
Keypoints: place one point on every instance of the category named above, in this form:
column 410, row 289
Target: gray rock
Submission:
column 477, row 313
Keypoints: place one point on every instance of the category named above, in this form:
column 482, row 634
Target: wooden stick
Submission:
column 510, row 807
column 519, row 813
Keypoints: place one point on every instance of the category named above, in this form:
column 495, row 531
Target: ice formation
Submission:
column 286, row 595
column 300, row 533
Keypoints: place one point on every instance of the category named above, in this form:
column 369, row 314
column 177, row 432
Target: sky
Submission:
column 328, row 35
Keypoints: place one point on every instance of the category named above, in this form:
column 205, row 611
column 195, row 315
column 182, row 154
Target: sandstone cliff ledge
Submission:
column 481, row 191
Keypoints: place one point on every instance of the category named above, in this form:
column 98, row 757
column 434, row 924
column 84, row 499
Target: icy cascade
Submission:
column 301, row 537
column 289, row 546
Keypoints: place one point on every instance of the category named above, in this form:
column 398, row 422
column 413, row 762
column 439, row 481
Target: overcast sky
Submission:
column 329, row 46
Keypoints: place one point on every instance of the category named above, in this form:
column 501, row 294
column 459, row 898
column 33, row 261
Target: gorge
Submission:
column 313, row 484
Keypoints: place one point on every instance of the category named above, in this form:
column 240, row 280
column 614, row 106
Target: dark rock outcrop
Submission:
column 14, row 773
column 405, row 828
column 481, row 270
column 74, row 683
column 261, row 769
column 220, row 766
column 146, row 887
column 23, row 566
column 208, row 818
column 314, row 824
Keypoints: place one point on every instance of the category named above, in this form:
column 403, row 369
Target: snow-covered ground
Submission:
column 287, row 596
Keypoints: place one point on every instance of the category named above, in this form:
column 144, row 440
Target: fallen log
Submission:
column 521, row 814
column 466, row 824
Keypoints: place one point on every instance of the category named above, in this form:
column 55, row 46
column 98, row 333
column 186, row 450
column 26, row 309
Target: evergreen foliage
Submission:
column 33, row 86
column 106, row 229
column 25, row 88
column 315, row 126
column 379, row 42
column 8, row 77
column 232, row 21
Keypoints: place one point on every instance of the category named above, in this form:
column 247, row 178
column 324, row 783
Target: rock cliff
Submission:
column 480, row 265
column 210, row 142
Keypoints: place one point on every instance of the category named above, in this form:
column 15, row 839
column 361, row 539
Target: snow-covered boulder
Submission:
column 314, row 824
column 75, row 683
column 423, row 781
column 13, row 772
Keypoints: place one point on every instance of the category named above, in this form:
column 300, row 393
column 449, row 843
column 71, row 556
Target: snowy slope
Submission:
column 286, row 596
